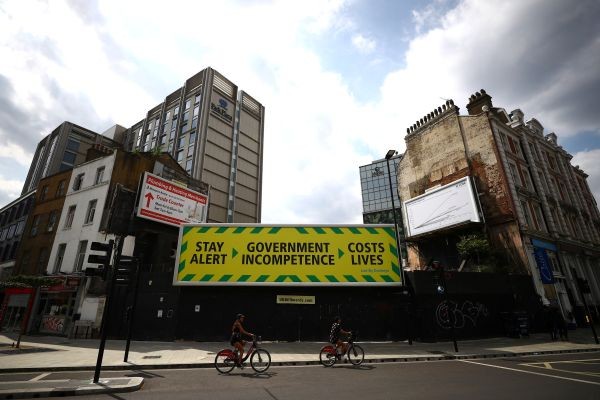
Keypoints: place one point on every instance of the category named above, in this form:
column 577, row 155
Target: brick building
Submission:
column 536, row 207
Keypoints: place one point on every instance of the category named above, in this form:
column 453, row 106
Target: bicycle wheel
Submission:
column 260, row 360
column 225, row 361
column 356, row 354
column 327, row 356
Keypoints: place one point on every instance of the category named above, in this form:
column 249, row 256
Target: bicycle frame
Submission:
column 249, row 352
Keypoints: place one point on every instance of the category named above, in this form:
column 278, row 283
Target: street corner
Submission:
column 68, row 387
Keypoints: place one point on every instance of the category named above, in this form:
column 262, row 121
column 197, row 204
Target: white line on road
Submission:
column 531, row 372
column 42, row 376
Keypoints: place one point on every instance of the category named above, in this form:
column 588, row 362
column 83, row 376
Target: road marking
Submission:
column 565, row 370
column 530, row 372
column 42, row 376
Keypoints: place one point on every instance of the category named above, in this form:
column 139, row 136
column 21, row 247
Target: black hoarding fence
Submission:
column 475, row 305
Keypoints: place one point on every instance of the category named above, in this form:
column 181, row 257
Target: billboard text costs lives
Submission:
column 226, row 254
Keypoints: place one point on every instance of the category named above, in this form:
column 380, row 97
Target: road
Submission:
column 575, row 376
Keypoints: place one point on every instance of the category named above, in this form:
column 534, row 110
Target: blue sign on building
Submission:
column 541, row 259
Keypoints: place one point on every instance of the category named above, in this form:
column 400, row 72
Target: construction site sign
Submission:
column 250, row 254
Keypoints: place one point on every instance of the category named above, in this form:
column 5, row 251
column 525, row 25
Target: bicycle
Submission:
column 328, row 355
column 227, row 359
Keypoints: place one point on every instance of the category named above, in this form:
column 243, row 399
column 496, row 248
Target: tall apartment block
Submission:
column 64, row 148
column 215, row 132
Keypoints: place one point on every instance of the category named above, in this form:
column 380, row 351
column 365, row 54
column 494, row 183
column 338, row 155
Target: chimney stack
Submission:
column 477, row 101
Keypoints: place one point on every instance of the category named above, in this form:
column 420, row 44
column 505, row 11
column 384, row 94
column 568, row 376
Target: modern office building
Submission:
column 524, row 196
column 377, row 195
column 215, row 132
column 65, row 148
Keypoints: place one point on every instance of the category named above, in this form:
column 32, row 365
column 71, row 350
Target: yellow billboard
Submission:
column 250, row 254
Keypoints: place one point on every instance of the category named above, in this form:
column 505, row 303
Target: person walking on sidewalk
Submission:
column 237, row 341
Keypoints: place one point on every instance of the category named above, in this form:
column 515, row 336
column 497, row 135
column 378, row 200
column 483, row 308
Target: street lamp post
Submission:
column 388, row 156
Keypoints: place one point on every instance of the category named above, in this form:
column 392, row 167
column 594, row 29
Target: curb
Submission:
column 84, row 389
column 444, row 357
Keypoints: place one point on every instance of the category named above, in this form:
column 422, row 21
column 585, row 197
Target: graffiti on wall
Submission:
column 52, row 324
column 466, row 314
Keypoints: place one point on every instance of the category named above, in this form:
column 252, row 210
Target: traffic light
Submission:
column 126, row 269
column 102, row 259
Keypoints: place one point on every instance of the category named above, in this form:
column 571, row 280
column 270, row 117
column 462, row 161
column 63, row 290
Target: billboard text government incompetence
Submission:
column 340, row 255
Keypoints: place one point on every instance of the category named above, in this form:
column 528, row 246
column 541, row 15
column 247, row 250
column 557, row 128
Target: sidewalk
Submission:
column 51, row 354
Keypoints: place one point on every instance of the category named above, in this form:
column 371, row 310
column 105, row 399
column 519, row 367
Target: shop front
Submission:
column 14, row 308
column 56, row 306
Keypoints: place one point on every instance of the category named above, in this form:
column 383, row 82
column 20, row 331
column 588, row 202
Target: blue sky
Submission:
column 341, row 80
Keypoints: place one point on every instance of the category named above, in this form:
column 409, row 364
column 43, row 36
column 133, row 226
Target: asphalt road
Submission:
column 572, row 376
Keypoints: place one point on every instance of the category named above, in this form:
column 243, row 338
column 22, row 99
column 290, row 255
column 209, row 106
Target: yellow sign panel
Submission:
column 290, row 299
column 226, row 254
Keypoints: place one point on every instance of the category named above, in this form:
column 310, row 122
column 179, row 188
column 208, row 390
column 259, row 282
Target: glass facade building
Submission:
column 375, row 186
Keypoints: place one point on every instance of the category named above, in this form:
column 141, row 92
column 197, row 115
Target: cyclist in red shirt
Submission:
column 335, row 335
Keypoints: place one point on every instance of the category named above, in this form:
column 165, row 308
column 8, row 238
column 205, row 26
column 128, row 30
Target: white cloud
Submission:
column 16, row 153
column 589, row 162
column 363, row 44
column 10, row 189
column 111, row 64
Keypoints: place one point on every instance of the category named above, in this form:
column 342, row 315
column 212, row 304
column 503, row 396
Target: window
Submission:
column 89, row 216
column 11, row 231
column 20, row 227
column 3, row 234
column 51, row 221
column 72, row 144
column 80, row 258
column 188, row 166
column 512, row 146
column 42, row 259
column 197, row 99
column 60, row 255
column 78, row 182
column 69, row 158
column 525, row 208
column 187, row 104
column 99, row 176
column 25, row 260
column 34, row 225
column 181, row 142
column 513, row 172
column 180, row 156
column 44, row 193
column 537, row 211
column 533, row 152
column 60, row 190
column 70, row 216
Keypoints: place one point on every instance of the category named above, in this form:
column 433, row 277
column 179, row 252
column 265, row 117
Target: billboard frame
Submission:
column 475, row 208
column 399, row 283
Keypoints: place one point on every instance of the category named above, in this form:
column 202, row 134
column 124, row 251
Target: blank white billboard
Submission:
column 448, row 205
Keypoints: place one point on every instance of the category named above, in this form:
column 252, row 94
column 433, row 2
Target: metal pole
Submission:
column 133, row 306
column 450, row 313
column 387, row 160
column 585, row 307
column 104, row 324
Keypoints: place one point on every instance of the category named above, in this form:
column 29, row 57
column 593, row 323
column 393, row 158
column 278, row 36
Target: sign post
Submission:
column 165, row 202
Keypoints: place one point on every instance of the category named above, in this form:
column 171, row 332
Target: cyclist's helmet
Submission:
column 239, row 316
column 337, row 318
